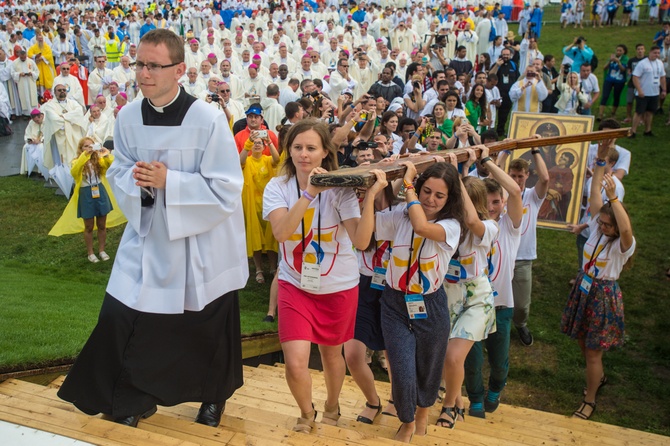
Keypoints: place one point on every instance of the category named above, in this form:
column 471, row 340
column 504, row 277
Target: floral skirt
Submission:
column 471, row 309
column 596, row 317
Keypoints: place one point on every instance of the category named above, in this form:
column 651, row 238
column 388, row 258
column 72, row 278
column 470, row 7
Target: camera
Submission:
column 363, row 145
column 530, row 75
column 566, row 69
column 262, row 133
column 215, row 97
column 416, row 84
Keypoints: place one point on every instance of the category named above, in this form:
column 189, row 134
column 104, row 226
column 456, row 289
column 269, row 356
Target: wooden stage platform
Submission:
column 263, row 412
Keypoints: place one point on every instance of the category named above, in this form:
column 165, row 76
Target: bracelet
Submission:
column 406, row 184
column 535, row 151
column 601, row 162
column 352, row 106
column 485, row 160
column 412, row 203
column 307, row 196
column 612, row 200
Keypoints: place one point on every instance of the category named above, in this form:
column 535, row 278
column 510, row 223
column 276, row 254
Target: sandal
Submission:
column 603, row 381
column 367, row 420
column 93, row 258
column 389, row 414
column 579, row 413
column 259, row 277
column 460, row 412
column 306, row 424
column 330, row 417
column 449, row 422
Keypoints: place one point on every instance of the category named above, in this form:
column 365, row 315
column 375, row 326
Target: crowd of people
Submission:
column 431, row 268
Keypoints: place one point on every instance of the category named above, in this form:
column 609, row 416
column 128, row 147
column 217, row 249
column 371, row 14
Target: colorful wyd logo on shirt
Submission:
column 493, row 261
column 314, row 253
column 592, row 260
column 418, row 284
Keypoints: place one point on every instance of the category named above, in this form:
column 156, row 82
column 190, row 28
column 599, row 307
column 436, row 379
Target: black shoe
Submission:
column 649, row 133
column 659, row 111
column 132, row 420
column 632, row 136
column 210, row 413
column 269, row 318
column 491, row 406
column 525, row 336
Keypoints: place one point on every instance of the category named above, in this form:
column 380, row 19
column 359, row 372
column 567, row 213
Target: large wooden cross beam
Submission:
column 361, row 177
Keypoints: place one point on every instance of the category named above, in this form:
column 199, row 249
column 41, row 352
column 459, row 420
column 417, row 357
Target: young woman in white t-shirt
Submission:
column 469, row 293
column 318, row 275
column 593, row 314
column 425, row 234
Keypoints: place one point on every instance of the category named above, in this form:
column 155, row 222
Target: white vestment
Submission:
column 26, row 84
column 63, row 125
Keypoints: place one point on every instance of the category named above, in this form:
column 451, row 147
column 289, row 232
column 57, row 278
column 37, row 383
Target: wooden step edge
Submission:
column 71, row 424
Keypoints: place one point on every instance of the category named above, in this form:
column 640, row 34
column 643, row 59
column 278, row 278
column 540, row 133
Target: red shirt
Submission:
column 242, row 137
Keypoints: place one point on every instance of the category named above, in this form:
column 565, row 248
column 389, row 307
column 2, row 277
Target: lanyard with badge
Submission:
column 379, row 271
column 587, row 280
column 310, row 275
column 416, row 307
column 95, row 186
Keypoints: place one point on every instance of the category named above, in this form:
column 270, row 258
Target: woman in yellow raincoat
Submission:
column 44, row 59
column 92, row 203
column 258, row 170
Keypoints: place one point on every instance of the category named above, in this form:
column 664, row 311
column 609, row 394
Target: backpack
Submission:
column 493, row 33
column 594, row 63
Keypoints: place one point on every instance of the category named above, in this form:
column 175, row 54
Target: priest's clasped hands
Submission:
column 151, row 174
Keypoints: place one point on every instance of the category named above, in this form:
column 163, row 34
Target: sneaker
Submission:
column 477, row 410
column 103, row 256
column 492, row 401
column 93, row 258
column 269, row 318
column 525, row 336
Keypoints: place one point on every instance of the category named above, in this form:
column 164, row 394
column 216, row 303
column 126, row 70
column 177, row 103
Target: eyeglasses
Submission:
column 224, row 91
column 606, row 225
column 344, row 66
column 152, row 67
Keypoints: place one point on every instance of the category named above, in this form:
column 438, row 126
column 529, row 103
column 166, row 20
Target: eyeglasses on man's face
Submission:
column 152, row 67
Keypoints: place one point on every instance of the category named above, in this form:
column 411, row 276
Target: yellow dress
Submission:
column 257, row 174
column 68, row 223
column 46, row 69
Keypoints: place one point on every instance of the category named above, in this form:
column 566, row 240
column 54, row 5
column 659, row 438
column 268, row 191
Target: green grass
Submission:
column 50, row 293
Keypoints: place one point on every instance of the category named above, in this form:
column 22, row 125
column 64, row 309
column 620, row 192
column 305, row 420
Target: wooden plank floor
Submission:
column 263, row 412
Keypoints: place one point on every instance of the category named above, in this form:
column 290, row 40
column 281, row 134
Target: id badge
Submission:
column 378, row 278
column 453, row 271
column 416, row 307
column 505, row 79
column 657, row 80
column 585, row 286
column 310, row 278
column 95, row 191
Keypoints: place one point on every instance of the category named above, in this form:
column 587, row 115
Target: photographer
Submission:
column 550, row 71
column 254, row 124
column 579, row 52
column 528, row 93
column 507, row 73
column 414, row 100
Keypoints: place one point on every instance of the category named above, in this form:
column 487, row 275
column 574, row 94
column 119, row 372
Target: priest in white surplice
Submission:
column 169, row 326
column 64, row 126
column 33, row 150
column 99, row 80
column 99, row 127
column 273, row 113
column 8, row 81
column 74, row 90
column 25, row 73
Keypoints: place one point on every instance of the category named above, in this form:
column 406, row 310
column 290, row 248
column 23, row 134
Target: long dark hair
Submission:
column 454, row 207
column 481, row 101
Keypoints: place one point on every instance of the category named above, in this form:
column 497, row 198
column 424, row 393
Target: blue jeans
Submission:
column 497, row 345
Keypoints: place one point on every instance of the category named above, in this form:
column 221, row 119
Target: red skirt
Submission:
column 324, row 319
